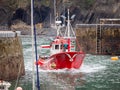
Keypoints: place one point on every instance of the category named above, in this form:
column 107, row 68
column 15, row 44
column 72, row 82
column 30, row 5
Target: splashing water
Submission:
column 97, row 72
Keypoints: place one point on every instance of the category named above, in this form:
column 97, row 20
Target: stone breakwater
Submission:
column 11, row 55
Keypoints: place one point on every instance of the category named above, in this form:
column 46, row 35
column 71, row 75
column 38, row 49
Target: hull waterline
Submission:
column 63, row 60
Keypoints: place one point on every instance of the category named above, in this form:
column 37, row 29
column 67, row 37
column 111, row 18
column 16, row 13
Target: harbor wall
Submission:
column 100, row 38
column 11, row 55
column 86, row 37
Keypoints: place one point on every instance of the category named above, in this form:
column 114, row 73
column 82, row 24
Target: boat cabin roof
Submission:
column 60, row 41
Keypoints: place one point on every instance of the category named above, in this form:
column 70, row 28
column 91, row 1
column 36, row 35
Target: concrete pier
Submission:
column 11, row 55
column 103, row 38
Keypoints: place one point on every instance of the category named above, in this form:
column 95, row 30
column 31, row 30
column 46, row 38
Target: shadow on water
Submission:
column 61, row 80
column 52, row 80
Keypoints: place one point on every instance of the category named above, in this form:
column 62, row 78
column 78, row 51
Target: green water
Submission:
column 97, row 72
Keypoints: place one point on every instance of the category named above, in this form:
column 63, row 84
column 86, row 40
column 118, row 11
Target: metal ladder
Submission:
column 98, row 39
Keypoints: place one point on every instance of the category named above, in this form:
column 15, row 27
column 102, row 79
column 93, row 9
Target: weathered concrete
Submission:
column 108, row 41
column 86, row 36
column 11, row 57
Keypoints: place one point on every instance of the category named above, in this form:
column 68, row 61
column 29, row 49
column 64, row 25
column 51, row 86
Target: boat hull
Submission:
column 63, row 60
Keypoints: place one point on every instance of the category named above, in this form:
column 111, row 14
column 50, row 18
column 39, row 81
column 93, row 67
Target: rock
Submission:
column 86, row 11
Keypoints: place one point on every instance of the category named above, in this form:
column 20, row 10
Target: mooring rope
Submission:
column 78, row 44
column 18, row 76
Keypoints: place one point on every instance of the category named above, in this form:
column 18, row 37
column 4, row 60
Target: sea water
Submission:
column 98, row 72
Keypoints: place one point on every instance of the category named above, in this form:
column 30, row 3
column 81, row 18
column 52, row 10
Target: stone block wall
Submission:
column 86, row 36
column 11, row 58
column 109, row 38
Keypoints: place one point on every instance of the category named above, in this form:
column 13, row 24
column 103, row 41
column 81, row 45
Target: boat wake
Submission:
column 91, row 69
column 83, row 69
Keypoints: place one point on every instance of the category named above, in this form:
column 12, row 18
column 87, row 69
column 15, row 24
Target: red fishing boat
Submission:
column 62, row 51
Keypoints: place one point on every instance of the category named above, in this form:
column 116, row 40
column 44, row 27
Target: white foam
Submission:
column 90, row 69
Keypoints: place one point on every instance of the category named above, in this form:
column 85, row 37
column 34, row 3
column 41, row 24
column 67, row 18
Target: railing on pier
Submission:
column 9, row 33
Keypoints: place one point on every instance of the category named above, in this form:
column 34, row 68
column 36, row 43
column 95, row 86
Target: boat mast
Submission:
column 68, row 27
column 34, row 46
column 57, row 22
column 55, row 12
column 68, row 24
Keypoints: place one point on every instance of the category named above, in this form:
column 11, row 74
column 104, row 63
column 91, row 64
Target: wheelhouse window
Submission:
column 56, row 46
column 2, row 87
